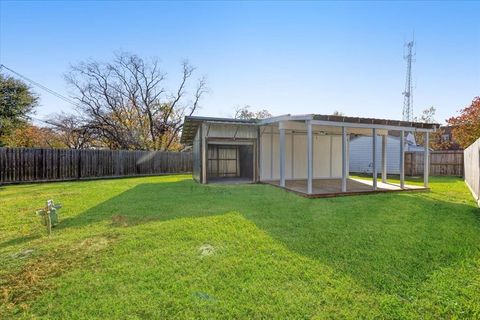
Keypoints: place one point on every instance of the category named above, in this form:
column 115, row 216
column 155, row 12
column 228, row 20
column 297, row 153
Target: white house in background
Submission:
column 308, row 154
column 361, row 156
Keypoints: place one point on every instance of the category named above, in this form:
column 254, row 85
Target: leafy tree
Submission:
column 32, row 136
column 17, row 102
column 338, row 113
column 466, row 126
column 438, row 143
column 245, row 113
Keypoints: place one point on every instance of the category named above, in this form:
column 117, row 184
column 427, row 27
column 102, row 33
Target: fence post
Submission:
column 79, row 165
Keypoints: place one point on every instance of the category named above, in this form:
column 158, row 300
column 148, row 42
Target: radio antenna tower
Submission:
column 407, row 114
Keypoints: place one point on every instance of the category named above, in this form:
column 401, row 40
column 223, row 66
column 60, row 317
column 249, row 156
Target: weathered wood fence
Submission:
column 472, row 169
column 442, row 163
column 32, row 164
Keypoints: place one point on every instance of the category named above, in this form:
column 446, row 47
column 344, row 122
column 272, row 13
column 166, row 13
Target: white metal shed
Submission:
column 304, row 153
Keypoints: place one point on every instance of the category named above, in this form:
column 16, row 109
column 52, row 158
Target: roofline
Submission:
column 216, row 119
column 355, row 122
column 314, row 119
column 286, row 117
column 191, row 124
column 371, row 126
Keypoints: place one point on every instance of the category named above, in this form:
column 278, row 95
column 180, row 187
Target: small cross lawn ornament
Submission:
column 49, row 215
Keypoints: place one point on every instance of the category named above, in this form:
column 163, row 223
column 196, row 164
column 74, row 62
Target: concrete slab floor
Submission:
column 334, row 186
column 230, row 180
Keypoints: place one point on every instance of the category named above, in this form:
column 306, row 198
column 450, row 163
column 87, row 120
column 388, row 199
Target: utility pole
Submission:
column 407, row 114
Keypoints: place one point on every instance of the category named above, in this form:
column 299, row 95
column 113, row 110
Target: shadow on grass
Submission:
column 17, row 241
column 390, row 242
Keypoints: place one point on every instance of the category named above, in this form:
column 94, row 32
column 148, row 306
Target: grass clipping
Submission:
column 34, row 276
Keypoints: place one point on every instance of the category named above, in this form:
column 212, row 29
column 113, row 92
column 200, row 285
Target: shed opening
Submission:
column 230, row 163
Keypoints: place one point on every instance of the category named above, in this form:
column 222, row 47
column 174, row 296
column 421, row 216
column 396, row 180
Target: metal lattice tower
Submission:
column 407, row 114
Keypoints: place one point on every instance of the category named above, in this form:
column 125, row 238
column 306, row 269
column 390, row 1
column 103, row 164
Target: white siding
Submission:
column 300, row 157
column 321, row 156
column 337, row 156
column 196, row 156
column 361, row 154
column 264, row 156
column 327, row 155
column 269, row 155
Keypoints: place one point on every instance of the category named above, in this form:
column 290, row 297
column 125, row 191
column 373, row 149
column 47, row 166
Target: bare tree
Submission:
column 73, row 132
column 126, row 103
column 245, row 113
column 427, row 116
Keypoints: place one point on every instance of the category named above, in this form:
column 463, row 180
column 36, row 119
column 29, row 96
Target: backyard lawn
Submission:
column 166, row 247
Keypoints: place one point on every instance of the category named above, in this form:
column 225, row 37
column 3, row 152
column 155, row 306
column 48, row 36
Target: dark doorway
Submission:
column 230, row 163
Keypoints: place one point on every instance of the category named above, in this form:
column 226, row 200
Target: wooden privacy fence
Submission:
column 32, row 164
column 442, row 163
column 472, row 169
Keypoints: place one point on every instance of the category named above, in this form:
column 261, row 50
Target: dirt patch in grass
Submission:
column 22, row 254
column 94, row 244
column 119, row 220
column 32, row 279
column 29, row 281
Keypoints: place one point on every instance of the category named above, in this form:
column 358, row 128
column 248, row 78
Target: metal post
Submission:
column 426, row 161
column 348, row 156
column 204, row 151
column 402, row 159
column 384, row 158
column 344, row 159
column 330, row 172
column 258, row 156
column 309, row 157
column 374, row 158
column 271, row 153
column 282, row 157
column 293, row 156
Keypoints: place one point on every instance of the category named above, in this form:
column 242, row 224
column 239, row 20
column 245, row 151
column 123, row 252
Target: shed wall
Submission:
column 327, row 155
column 219, row 130
column 197, row 156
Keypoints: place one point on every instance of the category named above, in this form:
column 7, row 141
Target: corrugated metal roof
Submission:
column 191, row 123
column 386, row 122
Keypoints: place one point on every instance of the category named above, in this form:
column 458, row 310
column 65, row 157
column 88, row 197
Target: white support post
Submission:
column 293, row 156
column 271, row 153
column 426, row 161
column 309, row 157
column 402, row 159
column 374, row 158
column 348, row 156
column 204, row 155
column 384, row 158
column 344, row 159
column 282, row 157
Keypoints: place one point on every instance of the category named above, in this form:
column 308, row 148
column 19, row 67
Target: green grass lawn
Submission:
column 166, row 247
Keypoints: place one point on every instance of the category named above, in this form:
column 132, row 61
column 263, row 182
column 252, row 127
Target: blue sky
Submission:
column 287, row 57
